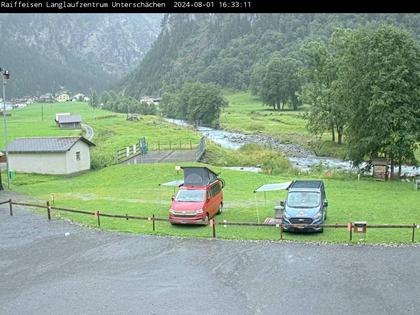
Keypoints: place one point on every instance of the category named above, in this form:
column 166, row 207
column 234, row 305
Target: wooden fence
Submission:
column 133, row 150
column 213, row 223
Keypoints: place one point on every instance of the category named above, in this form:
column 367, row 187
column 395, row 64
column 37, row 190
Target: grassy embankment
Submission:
column 246, row 113
column 112, row 130
column 134, row 189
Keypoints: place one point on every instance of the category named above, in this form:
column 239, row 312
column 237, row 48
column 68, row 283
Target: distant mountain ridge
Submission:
column 227, row 48
column 76, row 51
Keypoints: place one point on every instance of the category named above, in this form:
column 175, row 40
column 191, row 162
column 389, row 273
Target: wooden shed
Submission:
column 380, row 168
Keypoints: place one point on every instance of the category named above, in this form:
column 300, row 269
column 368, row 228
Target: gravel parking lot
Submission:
column 61, row 268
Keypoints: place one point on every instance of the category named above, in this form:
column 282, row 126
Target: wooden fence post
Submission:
column 48, row 211
column 190, row 144
column 153, row 222
column 412, row 236
column 213, row 223
column 350, row 226
column 11, row 207
column 97, row 215
column 281, row 231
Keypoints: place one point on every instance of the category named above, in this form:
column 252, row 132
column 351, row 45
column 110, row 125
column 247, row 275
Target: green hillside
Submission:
column 228, row 48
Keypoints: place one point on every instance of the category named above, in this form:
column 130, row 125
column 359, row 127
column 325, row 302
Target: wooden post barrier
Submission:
column 190, row 144
column 213, row 225
column 11, row 207
column 350, row 228
column 98, row 215
column 48, row 211
column 153, row 222
column 412, row 236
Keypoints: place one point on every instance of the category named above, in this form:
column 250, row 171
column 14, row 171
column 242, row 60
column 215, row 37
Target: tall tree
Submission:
column 379, row 72
column 197, row 103
column 323, row 91
column 203, row 103
column 281, row 83
column 94, row 100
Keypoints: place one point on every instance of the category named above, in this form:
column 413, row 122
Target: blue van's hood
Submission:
column 302, row 212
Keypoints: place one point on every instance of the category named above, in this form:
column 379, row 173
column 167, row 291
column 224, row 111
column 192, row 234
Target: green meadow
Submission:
column 135, row 190
column 112, row 130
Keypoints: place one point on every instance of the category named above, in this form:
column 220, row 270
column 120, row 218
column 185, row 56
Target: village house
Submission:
column 67, row 121
column 62, row 97
column 79, row 97
column 50, row 155
column 46, row 98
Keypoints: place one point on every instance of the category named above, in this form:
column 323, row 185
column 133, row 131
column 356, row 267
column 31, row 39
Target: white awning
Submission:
column 273, row 187
column 174, row 183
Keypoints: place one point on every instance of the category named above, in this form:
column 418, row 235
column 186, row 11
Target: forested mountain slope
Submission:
column 44, row 52
column 228, row 48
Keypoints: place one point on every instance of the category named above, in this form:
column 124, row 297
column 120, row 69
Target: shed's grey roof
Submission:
column 45, row 144
column 68, row 119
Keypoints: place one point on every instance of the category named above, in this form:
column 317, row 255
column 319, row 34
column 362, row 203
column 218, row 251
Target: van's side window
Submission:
column 215, row 189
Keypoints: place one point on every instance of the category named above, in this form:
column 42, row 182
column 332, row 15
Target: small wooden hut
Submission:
column 380, row 168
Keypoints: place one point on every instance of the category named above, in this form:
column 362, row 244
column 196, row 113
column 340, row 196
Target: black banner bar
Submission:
column 212, row 6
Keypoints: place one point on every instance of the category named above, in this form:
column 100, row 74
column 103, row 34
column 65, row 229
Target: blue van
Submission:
column 306, row 203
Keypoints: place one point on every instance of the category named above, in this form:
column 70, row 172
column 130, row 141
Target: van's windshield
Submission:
column 303, row 199
column 190, row 195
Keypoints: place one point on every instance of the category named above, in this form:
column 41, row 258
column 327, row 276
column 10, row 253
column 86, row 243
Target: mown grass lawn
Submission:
column 112, row 130
column 246, row 113
column 134, row 189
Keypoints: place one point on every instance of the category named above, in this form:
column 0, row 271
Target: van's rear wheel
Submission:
column 220, row 209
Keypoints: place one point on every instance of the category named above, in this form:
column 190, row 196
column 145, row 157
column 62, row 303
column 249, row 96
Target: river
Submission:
column 301, row 158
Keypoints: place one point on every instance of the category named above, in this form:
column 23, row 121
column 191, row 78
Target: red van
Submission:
column 199, row 199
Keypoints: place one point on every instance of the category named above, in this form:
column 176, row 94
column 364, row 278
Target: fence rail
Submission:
column 350, row 226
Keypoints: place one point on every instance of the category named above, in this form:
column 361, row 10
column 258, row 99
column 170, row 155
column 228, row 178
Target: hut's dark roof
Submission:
column 380, row 162
column 69, row 119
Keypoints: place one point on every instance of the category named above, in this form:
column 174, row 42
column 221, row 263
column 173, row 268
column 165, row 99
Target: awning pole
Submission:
column 256, row 205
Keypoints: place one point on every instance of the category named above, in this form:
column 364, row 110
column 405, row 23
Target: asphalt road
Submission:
column 43, row 271
column 89, row 132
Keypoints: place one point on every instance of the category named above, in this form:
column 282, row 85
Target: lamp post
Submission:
column 5, row 76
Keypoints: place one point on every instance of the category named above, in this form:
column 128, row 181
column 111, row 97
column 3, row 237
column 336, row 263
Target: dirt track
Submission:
column 43, row 271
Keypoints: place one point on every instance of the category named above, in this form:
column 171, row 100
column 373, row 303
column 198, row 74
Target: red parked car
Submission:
column 199, row 199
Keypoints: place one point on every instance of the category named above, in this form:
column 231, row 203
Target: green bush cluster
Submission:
column 248, row 155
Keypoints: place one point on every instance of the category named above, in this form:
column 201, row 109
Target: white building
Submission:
column 50, row 155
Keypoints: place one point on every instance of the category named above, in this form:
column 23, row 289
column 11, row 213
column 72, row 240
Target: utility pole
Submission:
column 5, row 76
